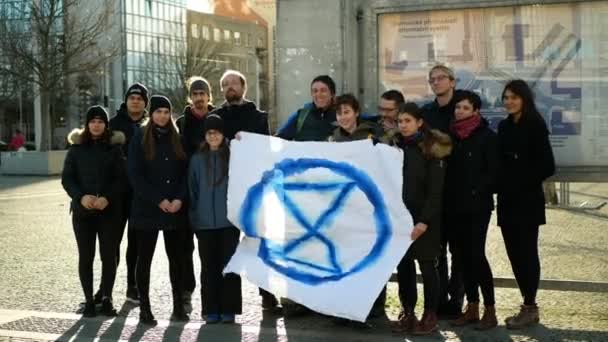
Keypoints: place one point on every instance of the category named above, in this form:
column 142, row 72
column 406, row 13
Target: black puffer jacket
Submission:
column 423, row 189
column 155, row 180
column 471, row 172
column 122, row 122
column 96, row 168
column 526, row 160
column 244, row 117
column 191, row 129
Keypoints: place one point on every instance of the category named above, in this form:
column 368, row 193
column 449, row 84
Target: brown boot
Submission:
column 407, row 323
column 428, row 323
column 527, row 316
column 488, row 321
column 470, row 315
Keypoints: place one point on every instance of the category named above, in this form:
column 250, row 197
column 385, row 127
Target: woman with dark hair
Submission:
column 157, row 172
column 469, row 184
column 526, row 161
column 423, row 176
column 93, row 175
column 350, row 127
column 217, row 237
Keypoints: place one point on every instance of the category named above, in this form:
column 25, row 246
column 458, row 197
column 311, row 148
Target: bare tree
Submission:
column 196, row 58
column 54, row 39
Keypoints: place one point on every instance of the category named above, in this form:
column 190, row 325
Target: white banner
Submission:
column 324, row 223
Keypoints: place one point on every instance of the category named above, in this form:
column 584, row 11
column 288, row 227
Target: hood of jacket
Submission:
column 75, row 137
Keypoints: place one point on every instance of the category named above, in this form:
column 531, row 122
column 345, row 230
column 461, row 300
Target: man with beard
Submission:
column 127, row 120
column 438, row 115
column 242, row 115
column 191, row 127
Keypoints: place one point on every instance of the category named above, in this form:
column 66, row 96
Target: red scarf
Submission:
column 463, row 128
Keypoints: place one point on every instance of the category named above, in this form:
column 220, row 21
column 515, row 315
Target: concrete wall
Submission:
column 32, row 163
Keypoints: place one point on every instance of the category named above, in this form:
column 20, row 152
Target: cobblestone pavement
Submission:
column 40, row 292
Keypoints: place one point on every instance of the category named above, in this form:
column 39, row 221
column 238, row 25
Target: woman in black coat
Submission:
column 93, row 177
column 157, row 172
column 526, row 161
column 468, row 204
column 423, row 172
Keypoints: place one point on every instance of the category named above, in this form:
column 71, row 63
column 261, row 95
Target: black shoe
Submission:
column 89, row 309
column 187, row 299
column 107, row 308
column 145, row 315
column 179, row 314
column 133, row 295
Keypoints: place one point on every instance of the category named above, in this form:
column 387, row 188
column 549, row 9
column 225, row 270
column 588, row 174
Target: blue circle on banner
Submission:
column 276, row 255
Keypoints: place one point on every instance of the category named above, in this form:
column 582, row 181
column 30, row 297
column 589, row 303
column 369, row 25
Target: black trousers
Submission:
column 220, row 294
column 146, row 239
column 87, row 230
column 451, row 286
column 468, row 232
column 188, row 280
column 406, row 278
column 521, row 242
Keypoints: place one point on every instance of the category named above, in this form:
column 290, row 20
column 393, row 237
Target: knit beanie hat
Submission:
column 137, row 89
column 200, row 84
column 159, row 101
column 97, row 112
column 214, row 121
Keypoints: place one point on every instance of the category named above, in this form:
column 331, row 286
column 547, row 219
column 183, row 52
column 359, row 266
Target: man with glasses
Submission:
column 438, row 115
column 388, row 109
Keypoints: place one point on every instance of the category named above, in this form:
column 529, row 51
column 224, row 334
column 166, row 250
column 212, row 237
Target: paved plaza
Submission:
column 40, row 292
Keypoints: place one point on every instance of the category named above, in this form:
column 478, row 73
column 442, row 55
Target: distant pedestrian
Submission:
column 17, row 141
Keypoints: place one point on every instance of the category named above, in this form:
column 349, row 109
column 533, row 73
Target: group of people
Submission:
column 163, row 175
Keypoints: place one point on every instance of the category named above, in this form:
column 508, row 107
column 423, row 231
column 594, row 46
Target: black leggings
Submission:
column 451, row 285
column 146, row 239
column 220, row 293
column 521, row 243
column 86, row 231
column 406, row 278
column 468, row 232
column 189, row 282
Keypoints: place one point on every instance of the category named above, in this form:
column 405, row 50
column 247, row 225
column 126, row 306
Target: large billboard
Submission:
column 561, row 50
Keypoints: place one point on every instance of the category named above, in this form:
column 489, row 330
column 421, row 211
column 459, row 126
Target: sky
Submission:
column 205, row 6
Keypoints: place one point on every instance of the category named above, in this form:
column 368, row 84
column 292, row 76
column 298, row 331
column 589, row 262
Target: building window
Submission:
column 248, row 39
column 194, row 29
column 206, row 34
column 227, row 36
column 237, row 38
column 217, row 34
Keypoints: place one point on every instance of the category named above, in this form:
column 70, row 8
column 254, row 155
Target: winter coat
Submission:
column 155, row 180
column 309, row 123
column 96, row 168
column 472, row 169
column 244, row 117
column 439, row 117
column 364, row 130
column 122, row 122
column 191, row 130
column 208, row 202
column 526, row 160
column 423, row 189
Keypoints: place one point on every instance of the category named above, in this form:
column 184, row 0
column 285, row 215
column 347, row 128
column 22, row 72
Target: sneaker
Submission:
column 528, row 315
column 212, row 318
column 133, row 295
column 89, row 309
column 107, row 308
column 228, row 318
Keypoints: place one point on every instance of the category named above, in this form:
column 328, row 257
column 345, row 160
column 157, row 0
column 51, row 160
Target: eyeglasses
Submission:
column 384, row 109
column 438, row 78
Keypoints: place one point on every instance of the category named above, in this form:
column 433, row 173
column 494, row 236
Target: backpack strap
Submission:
column 302, row 115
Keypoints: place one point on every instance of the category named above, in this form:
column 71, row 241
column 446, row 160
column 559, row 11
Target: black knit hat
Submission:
column 159, row 101
column 97, row 112
column 200, row 84
column 214, row 121
column 137, row 89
